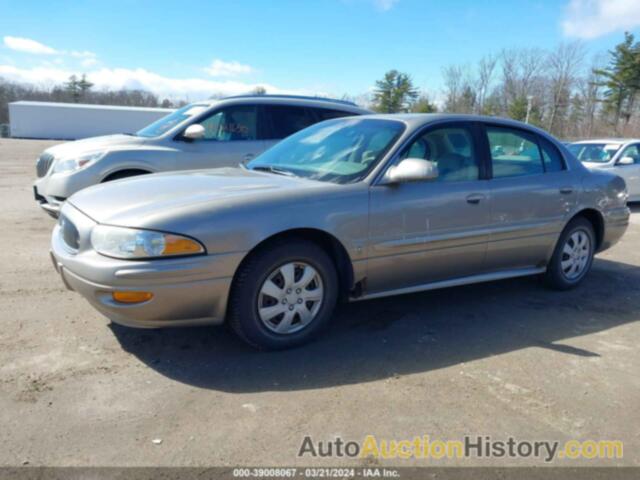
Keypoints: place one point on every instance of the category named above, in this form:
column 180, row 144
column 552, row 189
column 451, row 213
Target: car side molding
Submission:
column 484, row 277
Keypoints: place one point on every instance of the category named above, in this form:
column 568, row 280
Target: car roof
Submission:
column 416, row 120
column 298, row 100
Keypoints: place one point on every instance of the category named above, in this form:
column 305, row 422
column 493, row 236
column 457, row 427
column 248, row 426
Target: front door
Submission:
column 434, row 230
column 231, row 137
column 630, row 173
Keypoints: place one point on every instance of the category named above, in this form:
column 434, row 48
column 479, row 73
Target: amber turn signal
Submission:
column 175, row 245
column 132, row 297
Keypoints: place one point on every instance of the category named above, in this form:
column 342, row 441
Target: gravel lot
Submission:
column 502, row 359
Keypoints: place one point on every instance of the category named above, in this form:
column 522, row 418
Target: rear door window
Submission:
column 553, row 161
column 514, row 153
column 285, row 120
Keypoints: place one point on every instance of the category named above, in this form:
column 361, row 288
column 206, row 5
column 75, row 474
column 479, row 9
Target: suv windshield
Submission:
column 339, row 151
column 594, row 152
column 165, row 124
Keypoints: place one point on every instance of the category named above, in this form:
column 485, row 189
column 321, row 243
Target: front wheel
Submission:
column 573, row 255
column 283, row 295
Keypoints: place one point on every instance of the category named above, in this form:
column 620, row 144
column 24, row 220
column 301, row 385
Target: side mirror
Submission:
column 194, row 132
column 626, row 161
column 411, row 170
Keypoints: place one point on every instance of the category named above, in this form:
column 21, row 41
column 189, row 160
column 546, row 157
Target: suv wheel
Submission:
column 573, row 255
column 283, row 295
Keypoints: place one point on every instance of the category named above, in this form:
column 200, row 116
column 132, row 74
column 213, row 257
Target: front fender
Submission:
column 152, row 161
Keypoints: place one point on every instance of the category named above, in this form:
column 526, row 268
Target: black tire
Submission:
column 124, row 174
column 555, row 277
column 243, row 315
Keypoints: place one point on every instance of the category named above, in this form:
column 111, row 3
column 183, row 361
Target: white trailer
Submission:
column 71, row 121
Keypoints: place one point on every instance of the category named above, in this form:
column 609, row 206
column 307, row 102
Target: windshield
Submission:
column 164, row 124
column 594, row 152
column 339, row 151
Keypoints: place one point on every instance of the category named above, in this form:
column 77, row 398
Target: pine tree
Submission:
column 84, row 85
column 621, row 79
column 72, row 88
column 394, row 93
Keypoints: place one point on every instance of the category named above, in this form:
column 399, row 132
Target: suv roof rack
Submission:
column 298, row 97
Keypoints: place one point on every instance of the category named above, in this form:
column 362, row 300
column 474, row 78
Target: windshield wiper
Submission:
column 272, row 169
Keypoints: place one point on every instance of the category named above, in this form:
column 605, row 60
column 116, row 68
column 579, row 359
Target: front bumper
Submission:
column 186, row 291
column 52, row 190
column 50, row 205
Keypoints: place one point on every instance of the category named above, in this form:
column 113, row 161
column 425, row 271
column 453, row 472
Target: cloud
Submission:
column 82, row 54
column 89, row 62
column 27, row 45
column 380, row 5
column 385, row 5
column 123, row 78
column 594, row 18
column 87, row 59
column 220, row 68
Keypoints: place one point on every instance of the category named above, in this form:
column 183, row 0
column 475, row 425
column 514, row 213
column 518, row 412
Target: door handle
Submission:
column 475, row 198
column 566, row 190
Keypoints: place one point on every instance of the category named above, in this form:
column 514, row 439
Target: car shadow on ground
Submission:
column 400, row 335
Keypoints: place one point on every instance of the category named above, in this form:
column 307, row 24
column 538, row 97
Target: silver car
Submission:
column 619, row 156
column 352, row 208
column 215, row 133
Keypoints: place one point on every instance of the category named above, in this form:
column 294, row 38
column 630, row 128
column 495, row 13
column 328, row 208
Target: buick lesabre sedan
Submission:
column 352, row 208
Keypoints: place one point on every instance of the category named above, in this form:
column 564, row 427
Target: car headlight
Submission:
column 65, row 165
column 131, row 243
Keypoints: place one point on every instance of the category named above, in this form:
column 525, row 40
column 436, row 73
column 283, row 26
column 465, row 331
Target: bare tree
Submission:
column 563, row 65
column 460, row 89
column 486, row 68
column 590, row 90
column 522, row 72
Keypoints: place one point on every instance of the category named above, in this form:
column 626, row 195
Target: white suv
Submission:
column 201, row 135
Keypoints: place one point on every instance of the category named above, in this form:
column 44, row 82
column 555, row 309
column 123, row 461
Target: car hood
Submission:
column 93, row 144
column 151, row 201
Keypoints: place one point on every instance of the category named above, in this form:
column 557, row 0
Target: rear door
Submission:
column 430, row 231
column 532, row 195
column 232, row 136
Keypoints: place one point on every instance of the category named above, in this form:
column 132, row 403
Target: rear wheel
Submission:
column 573, row 255
column 283, row 295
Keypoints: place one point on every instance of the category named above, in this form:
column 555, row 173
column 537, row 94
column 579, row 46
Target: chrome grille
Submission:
column 70, row 233
column 44, row 164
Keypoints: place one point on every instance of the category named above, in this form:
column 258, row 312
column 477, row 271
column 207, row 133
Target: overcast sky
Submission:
column 331, row 47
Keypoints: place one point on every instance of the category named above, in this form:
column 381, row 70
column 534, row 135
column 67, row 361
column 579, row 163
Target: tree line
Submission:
column 77, row 89
column 557, row 90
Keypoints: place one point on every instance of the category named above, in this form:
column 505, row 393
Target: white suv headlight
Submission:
column 65, row 165
column 130, row 243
